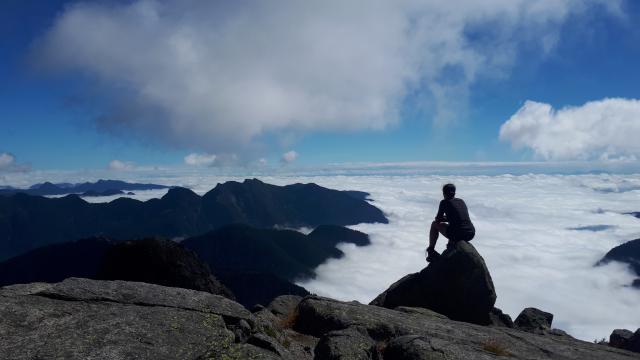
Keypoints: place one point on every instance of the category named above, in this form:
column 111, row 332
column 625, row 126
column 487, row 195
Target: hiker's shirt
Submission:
column 454, row 211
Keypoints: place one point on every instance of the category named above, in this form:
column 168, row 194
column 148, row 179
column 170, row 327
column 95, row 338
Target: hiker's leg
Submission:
column 433, row 235
column 437, row 228
column 443, row 229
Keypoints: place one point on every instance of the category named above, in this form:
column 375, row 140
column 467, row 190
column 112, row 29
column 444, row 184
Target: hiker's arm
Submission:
column 440, row 217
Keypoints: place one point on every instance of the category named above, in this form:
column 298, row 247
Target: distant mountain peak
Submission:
column 178, row 190
column 178, row 193
column 47, row 185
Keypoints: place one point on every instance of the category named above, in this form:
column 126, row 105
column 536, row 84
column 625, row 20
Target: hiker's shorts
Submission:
column 456, row 235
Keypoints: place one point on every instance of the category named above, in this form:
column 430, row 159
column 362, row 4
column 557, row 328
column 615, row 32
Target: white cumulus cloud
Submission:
column 289, row 157
column 606, row 129
column 119, row 165
column 217, row 75
column 195, row 159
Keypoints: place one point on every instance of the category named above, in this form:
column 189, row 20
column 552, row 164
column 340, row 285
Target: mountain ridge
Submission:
column 265, row 263
column 287, row 254
column 101, row 186
column 28, row 222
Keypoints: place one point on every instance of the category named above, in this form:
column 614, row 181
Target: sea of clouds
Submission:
column 540, row 236
column 526, row 233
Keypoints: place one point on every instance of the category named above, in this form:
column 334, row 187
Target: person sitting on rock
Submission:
column 452, row 221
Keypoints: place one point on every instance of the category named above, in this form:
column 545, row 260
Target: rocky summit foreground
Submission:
column 91, row 319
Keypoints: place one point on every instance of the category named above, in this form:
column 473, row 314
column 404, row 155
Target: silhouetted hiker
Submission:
column 452, row 221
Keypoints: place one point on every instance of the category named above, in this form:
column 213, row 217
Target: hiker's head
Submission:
column 449, row 191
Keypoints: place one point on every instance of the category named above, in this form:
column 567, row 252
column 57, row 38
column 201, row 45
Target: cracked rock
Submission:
column 352, row 343
column 412, row 347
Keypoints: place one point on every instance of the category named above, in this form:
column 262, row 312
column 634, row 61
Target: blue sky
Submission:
column 50, row 100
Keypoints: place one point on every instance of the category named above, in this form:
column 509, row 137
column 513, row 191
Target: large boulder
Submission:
column 620, row 337
column 534, row 320
column 457, row 284
column 634, row 343
column 537, row 322
column 625, row 339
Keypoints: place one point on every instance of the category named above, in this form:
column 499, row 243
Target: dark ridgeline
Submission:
column 260, row 264
column 154, row 261
column 255, row 264
column 360, row 195
column 28, row 222
column 251, row 288
column 94, row 193
column 628, row 253
column 298, row 205
column 287, row 254
column 98, row 187
column 54, row 263
column 161, row 262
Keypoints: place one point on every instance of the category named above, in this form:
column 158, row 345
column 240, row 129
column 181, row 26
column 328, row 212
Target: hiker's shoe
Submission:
column 432, row 254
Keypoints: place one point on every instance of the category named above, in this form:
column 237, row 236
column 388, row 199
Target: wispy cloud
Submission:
column 289, row 157
column 119, row 165
column 204, row 159
column 6, row 160
column 8, row 163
